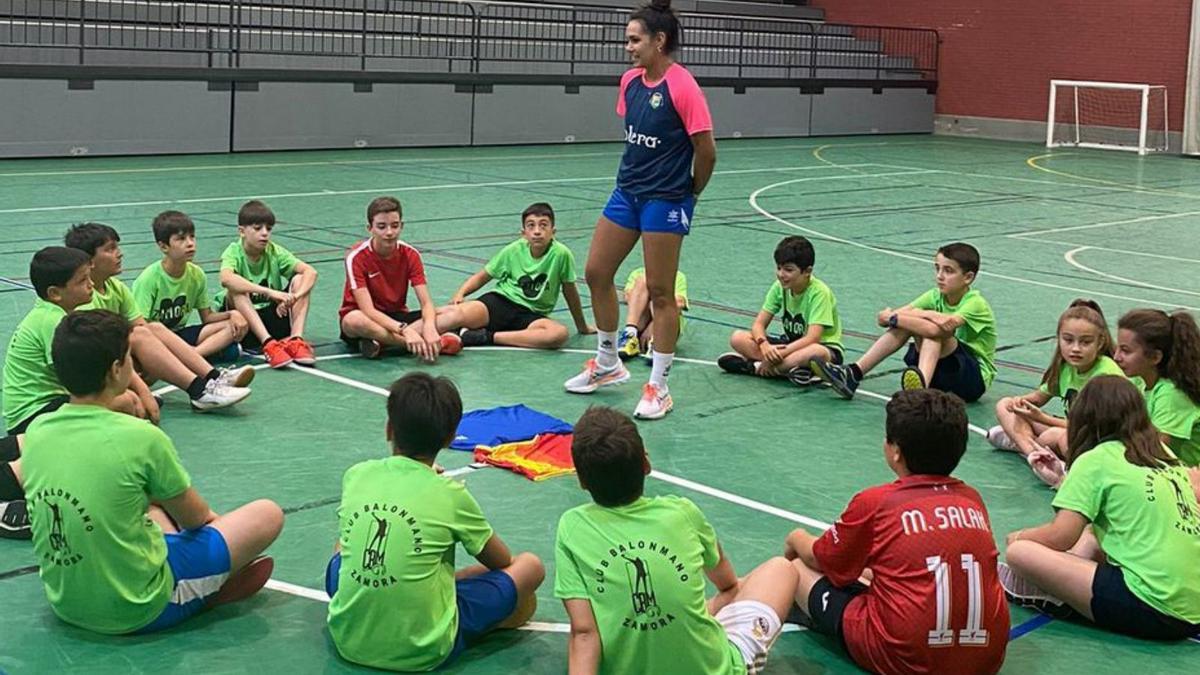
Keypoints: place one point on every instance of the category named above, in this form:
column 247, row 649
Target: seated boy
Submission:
column 374, row 311
column 952, row 328
column 906, row 579
column 812, row 329
column 637, row 338
column 269, row 287
column 160, row 354
column 529, row 273
column 631, row 569
column 395, row 601
column 168, row 291
column 103, row 488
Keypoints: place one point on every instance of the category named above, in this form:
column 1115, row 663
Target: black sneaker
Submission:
column 476, row 337
column 14, row 520
column 732, row 362
column 370, row 349
column 838, row 377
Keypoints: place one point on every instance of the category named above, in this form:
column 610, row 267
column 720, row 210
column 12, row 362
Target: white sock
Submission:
column 606, row 349
column 661, row 369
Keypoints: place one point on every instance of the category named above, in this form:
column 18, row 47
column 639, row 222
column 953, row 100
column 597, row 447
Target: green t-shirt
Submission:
column 816, row 306
column 90, row 475
column 399, row 522
column 978, row 332
column 1147, row 522
column 1176, row 415
column 29, row 378
column 641, row 566
column 681, row 290
column 273, row 270
column 116, row 297
column 169, row 300
column 1071, row 381
column 532, row 282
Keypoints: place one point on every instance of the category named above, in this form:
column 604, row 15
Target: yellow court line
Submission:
column 1032, row 162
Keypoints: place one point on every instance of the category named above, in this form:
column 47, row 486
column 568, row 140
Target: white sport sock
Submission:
column 661, row 369
column 606, row 349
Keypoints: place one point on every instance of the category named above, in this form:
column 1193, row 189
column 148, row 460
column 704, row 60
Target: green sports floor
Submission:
column 758, row 457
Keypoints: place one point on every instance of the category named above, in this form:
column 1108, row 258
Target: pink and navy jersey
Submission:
column 660, row 119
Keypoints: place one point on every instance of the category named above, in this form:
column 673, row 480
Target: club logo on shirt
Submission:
column 1181, row 490
column 374, row 526
column 170, row 310
column 643, row 140
column 57, row 507
column 795, row 325
column 656, row 100
column 531, row 287
column 632, row 564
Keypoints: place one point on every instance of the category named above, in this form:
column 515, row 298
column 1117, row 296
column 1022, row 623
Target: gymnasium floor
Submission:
column 758, row 457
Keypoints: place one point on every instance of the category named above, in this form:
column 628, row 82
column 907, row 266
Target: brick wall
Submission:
column 998, row 56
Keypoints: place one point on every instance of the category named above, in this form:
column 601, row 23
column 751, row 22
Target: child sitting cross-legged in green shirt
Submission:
column 396, row 600
column 631, row 571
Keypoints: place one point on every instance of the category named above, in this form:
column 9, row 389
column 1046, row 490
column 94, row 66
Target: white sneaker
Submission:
column 1023, row 592
column 592, row 378
column 219, row 395
column 655, row 403
column 236, row 377
column 1000, row 440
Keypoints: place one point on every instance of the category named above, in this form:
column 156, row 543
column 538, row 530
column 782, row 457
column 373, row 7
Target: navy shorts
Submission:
column 835, row 352
column 827, row 603
column 1116, row 608
column 199, row 562
column 650, row 215
column 54, row 404
column 957, row 373
column 506, row 315
column 190, row 334
column 484, row 601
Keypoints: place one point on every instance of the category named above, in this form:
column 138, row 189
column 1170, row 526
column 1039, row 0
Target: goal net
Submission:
column 1107, row 115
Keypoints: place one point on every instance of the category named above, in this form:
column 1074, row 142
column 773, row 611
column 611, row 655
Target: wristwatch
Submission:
column 893, row 320
column 759, row 340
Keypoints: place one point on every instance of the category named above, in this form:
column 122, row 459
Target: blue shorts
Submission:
column 199, row 561
column 650, row 215
column 483, row 602
column 957, row 373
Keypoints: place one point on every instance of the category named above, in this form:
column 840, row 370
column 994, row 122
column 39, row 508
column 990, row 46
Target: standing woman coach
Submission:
column 669, row 157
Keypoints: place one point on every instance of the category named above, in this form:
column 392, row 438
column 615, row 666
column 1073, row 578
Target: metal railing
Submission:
column 438, row 36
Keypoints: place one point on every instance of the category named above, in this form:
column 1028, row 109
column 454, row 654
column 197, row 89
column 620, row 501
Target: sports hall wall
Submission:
column 163, row 78
column 997, row 58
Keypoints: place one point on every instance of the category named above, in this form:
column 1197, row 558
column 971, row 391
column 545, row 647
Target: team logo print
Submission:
column 795, row 325
column 67, row 519
column 170, row 310
column 641, row 587
column 531, row 287
column 375, row 552
column 58, row 540
column 381, row 528
column 656, row 100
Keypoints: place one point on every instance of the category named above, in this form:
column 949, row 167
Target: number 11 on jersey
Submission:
column 943, row 635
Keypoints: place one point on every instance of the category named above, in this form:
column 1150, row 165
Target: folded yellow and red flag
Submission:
column 544, row 456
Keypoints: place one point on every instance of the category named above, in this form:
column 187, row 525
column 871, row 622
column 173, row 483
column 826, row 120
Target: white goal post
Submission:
column 1107, row 115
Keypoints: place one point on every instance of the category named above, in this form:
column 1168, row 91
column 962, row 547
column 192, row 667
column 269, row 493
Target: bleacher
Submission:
column 425, row 36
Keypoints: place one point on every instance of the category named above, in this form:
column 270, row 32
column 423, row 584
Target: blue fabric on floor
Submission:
column 493, row 426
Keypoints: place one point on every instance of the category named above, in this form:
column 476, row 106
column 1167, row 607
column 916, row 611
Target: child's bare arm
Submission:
column 495, row 554
column 811, row 337
column 308, row 279
column 236, row 283
column 189, row 510
column 799, row 544
column 583, row 649
column 1059, row 534
column 473, row 283
column 571, row 295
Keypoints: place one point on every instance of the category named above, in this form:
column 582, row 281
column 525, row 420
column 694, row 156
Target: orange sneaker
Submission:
column 300, row 351
column 451, row 344
column 277, row 354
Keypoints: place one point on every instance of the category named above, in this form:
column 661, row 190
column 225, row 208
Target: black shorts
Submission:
column 190, row 334
column 10, row 450
column 827, row 603
column 54, row 404
column 835, row 353
column 957, row 373
column 402, row 317
column 506, row 315
column 1117, row 609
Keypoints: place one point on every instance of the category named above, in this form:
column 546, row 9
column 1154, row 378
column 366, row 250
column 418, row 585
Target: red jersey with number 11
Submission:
column 935, row 604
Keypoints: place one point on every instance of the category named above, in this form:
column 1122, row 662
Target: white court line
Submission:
column 1039, row 181
column 1073, row 244
column 166, row 389
column 925, row 260
column 410, row 188
column 1069, row 256
column 1091, row 226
